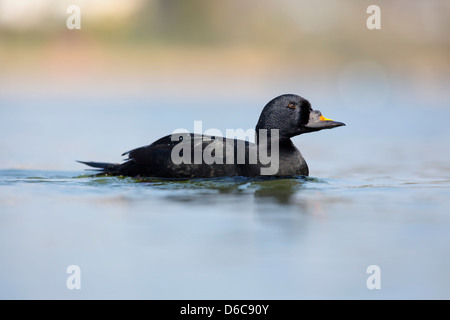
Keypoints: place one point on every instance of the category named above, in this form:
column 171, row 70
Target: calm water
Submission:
column 379, row 195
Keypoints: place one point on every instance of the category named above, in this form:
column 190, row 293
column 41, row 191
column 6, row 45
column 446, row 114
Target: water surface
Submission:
column 223, row 238
column 379, row 194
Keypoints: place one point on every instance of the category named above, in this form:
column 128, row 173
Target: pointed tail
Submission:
column 103, row 167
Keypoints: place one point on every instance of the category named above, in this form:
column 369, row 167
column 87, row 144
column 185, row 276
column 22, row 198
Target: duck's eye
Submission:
column 291, row 105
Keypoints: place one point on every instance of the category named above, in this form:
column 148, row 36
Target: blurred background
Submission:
column 125, row 48
column 137, row 70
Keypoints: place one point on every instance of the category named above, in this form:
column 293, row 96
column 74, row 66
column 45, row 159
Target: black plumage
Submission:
column 187, row 155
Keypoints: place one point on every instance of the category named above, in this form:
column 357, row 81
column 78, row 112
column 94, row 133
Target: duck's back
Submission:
column 192, row 156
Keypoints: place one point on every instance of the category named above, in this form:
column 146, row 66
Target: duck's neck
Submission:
column 271, row 150
column 268, row 138
column 279, row 155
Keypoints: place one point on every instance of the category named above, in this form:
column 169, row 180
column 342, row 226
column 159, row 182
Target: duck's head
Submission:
column 293, row 115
